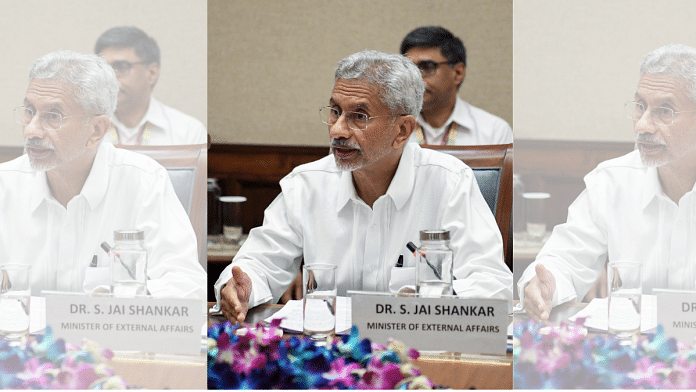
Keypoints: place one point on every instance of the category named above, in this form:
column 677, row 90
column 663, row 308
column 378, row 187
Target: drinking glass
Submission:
column 625, row 286
column 15, row 296
column 319, row 300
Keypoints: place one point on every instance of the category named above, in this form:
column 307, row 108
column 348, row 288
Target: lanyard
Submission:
column 448, row 140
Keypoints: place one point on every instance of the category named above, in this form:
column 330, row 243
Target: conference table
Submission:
column 450, row 369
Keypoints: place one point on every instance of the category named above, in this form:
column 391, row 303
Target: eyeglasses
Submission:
column 49, row 121
column 355, row 120
column 123, row 67
column 660, row 115
column 429, row 67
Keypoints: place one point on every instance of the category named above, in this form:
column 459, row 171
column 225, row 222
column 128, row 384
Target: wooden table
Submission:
column 155, row 371
column 454, row 370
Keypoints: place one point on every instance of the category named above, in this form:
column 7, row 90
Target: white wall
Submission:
column 576, row 62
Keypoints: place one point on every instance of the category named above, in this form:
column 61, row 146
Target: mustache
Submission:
column 345, row 143
column 38, row 143
column 650, row 139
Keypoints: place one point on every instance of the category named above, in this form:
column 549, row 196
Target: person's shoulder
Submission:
column 435, row 160
column 624, row 171
column 488, row 117
column 177, row 115
column 123, row 159
column 320, row 167
column 18, row 165
column 630, row 162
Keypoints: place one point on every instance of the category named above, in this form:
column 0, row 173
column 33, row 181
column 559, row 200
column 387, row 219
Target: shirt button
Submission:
column 373, row 227
column 372, row 268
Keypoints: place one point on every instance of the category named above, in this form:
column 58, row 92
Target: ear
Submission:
column 459, row 73
column 406, row 125
column 99, row 126
column 153, row 70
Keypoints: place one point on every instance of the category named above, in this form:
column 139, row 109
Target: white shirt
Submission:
column 124, row 190
column 168, row 127
column 622, row 215
column 319, row 216
column 474, row 126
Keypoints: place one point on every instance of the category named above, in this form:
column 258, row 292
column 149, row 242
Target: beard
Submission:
column 51, row 160
column 42, row 164
column 355, row 163
column 653, row 160
column 358, row 160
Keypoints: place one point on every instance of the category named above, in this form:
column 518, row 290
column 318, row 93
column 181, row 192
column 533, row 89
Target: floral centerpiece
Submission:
column 40, row 362
column 260, row 358
column 563, row 357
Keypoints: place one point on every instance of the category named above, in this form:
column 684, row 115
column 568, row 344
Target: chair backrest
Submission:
column 187, row 169
column 492, row 166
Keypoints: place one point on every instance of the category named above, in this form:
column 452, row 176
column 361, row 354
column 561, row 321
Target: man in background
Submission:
column 140, row 119
column 447, row 119
column 639, row 207
column 69, row 193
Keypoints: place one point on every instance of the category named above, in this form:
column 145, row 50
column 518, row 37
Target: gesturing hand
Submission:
column 234, row 296
column 538, row 294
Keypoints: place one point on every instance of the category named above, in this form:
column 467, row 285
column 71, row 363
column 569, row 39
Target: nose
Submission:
column 645, row 124
column 34, row 129
column 340, row 128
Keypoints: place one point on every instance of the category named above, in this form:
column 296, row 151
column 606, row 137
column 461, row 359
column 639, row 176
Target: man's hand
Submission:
column 234, row 296
column 294, row 291
column 538, row 294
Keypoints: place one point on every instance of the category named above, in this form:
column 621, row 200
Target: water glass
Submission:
column 15, row 296
column 625, row 286
column 319, row 301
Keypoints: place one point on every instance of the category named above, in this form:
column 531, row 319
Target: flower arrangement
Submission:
column 564, row 358
column 261, row 359
column 40, row 362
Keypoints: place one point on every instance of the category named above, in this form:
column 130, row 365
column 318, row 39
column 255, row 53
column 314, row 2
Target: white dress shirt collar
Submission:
column 93, row 189
column 399, row 189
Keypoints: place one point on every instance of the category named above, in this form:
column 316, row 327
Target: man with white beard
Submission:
column 69, row 193
column 358, row 208
column 640, row 207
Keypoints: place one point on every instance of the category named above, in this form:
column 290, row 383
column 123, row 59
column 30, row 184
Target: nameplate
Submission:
column 475, row 326
column 168, row 326
column 676, row 311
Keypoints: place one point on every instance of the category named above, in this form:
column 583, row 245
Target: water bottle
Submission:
column 128, row 264
column 434, row 269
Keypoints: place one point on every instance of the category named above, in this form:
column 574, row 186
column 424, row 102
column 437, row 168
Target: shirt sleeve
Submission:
column 271, row 255
column 576, row 251
column 173, row 268
column 479, row 266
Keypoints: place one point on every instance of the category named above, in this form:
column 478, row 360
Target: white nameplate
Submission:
column 170, row 326
column 475, row 326
column 676, row 311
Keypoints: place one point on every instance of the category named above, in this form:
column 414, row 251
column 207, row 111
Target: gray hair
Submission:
column 398, row 79
column 92, row 78
column 674, row 60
